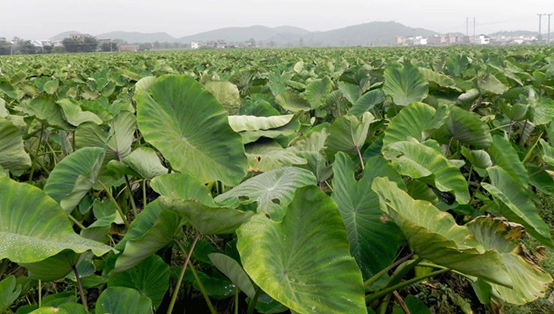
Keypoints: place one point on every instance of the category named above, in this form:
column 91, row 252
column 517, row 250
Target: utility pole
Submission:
column 550, row 14
column 540, row 24
column 467, row 26
column 474, row 39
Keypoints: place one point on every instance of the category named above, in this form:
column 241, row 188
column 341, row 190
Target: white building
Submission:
column 194, row 45
column 483, row 40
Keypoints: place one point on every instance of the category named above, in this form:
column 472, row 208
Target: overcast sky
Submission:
column 41, row 19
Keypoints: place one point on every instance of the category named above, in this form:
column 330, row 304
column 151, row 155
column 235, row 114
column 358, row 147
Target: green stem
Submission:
column 502, row 126
column 37, row 154
column 144, row 199
column 54, row 159
column 182, row 274
column 528, row 155
column 384, row 305
column 203, row 290
column 80, row 285
column 521, row 133
column 361, row 157
column 375, row 277
column 252, row 304
column 237, row 290
column 130, row 195
column 39, row 293
column 375, row 296
column 75, row 221
column 117, row 207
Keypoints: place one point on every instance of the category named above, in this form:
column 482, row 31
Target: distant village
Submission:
column 88, row 43
column 453, row 39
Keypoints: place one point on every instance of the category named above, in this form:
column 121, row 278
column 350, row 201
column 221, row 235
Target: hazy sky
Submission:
column 41, row 19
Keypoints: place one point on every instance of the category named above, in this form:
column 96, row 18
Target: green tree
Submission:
column 26, row 47
column 5, row 47
column 72, row 44
column 90, row 44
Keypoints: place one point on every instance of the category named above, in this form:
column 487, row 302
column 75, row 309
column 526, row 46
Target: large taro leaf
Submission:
column 373, row 237
column 292, row 102
column 547, row 152
column 468, row 128
column 121, row 300
column 232, row 269
column 150, row 277
column 505, row 156
column 416, row 120
column 518, row 206
column 350, row 91
column 54, row 267
column 417, row 160
column 46, row 111
column 263, row 157
column 304, row 261
column 183, row 186
column 435, row 236
column 490, row 84
column 204, row 219
column 143, row 162
column 226, row 93
column 311, row 147
column 317, row 91
column 254, row 123
column 73, row 177
column 367, row 101
column 251, row 128
column 117, row 141
column 529, row 281
column 348, row 133
column 153, row 229
column 12, row 150
column 33, row 227
column 440, row 79
column 74, row 115
column 190, row 128
column 405, row 84
column 10, row 291
column 272, row 190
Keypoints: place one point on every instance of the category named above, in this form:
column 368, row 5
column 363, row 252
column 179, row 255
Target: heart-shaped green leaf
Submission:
column 405, row 84
column 435, row 236
column 518, row 205
column 304, row 261
column 33, row 227
column 416, row 120
column 272, row 190
column 530, row 281
column 10, row 292
column 73, row 177
column 373, row 238
column 13, row 156
column 190, row 128
column 121, row 300
column 150, row 277
column 417, row 160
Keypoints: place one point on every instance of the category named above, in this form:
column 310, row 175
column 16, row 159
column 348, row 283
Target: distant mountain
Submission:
column 136, row 37
column 291, row 30
column 63, row 35
column 374, row 33
column 236, row 34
